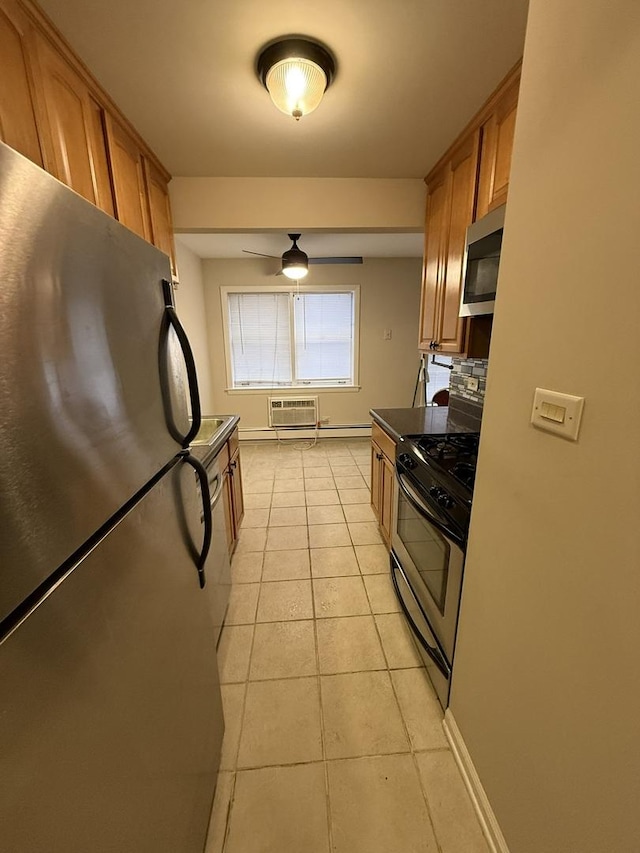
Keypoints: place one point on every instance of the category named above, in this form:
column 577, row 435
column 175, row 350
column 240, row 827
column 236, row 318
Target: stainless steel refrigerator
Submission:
column 110, row 710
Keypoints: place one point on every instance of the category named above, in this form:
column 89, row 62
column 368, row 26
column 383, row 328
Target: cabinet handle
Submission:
column 232, row 464
column 378, row 455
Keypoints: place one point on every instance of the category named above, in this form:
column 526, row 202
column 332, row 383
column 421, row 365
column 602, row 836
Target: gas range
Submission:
column 442, row 468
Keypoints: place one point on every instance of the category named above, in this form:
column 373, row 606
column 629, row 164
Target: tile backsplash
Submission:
column 463, row 368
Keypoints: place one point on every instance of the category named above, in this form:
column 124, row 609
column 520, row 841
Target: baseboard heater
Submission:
column 293, row 411
column 301, row 432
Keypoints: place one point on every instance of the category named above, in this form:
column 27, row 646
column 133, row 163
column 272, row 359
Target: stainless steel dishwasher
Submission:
column 218, row 568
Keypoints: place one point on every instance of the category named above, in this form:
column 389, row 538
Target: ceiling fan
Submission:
column 295, row 262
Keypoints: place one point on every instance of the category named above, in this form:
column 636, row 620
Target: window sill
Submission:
column 298, row 390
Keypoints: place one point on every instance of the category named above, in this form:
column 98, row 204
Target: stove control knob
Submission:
column 445, row 501
column 408, row 461
column 435, row 492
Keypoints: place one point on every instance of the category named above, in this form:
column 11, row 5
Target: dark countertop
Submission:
column 211, row 449
column 418, row 421
column 424, row 420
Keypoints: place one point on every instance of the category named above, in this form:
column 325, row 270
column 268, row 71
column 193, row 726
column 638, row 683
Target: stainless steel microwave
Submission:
column 480, row 265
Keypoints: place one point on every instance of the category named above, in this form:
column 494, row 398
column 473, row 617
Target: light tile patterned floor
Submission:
column 333, row 740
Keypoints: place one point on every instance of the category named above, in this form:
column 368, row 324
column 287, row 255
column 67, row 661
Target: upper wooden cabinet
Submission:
column 497, row 144
column 17, row 111
column 450, row 205
column 71, row 129
column 129, row 188
column 434, row 256
column 55, row 113
column 468, row 181
column 159, row 210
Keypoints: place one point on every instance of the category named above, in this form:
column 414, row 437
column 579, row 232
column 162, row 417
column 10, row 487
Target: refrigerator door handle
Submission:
column 201, row 471
column 190, row 364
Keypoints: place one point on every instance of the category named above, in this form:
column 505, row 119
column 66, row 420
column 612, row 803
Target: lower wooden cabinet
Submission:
column 232, row 493
column 383, row 461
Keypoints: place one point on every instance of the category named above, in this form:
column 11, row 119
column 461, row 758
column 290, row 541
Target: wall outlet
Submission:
column 472, row 383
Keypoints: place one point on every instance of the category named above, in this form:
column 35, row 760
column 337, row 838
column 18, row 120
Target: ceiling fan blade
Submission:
column 261, row 254
column 352, row 260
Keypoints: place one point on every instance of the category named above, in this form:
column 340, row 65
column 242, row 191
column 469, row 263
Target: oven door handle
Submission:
column 433, row 651
column 420, row 508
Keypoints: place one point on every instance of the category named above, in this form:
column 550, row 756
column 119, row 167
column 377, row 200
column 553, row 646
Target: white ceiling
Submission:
column 314, row 244
column 411, row 73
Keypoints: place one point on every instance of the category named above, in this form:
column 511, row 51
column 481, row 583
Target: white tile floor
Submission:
column 333, row 735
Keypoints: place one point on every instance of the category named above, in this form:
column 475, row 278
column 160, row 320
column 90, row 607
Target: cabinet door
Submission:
column 497, row 145
column 73, row 136
column 434, row 257
column 159, row 211
column 462, row 193
column 129, row 187
column 17, row 115
column 388, row 487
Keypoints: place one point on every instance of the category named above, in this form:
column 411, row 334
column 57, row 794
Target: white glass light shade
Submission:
column 297, row 272
column 296, row 86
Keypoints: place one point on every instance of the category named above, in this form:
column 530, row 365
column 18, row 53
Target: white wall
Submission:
column 189, row 297
column 546, row 687
column 286, row 204
column 389, row 299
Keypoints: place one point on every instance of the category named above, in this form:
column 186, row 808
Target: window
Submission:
column 291, row 336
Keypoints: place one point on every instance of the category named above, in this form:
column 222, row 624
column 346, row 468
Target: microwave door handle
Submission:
column 420, row 508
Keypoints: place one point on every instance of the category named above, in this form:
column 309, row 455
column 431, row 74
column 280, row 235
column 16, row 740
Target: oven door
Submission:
column 431, row 556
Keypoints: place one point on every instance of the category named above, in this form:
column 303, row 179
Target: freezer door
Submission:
column 84, row 420
column 110, row 713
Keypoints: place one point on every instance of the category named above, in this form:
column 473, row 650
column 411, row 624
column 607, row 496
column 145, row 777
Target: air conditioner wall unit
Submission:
column 293, row 411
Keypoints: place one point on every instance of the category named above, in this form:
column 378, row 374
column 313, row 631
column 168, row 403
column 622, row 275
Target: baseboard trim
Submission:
column 300, row 433
column 479, row 799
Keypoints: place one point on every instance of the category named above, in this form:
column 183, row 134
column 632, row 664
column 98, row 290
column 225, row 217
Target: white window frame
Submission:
column 292, row 288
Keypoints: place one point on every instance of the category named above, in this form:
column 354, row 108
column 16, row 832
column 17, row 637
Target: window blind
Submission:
column 260, row 338
column 291, row 338
column 324, row 336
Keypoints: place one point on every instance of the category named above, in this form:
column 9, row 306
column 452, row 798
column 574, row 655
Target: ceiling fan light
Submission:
column 295, row 272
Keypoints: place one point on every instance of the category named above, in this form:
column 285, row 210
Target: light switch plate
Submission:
column 472, row 383
column 557, row 413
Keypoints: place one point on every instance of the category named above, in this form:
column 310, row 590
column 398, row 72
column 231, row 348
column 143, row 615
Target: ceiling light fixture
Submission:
column 296, row 72
column 295, row 262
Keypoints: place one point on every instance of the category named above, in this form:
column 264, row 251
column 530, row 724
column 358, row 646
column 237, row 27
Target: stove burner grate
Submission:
column 464, row 473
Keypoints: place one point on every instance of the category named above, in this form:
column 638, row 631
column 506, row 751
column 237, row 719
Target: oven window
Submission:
column 429, row 551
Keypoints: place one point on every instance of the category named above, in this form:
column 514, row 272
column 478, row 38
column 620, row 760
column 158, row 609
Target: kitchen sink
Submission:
column 210, row 429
